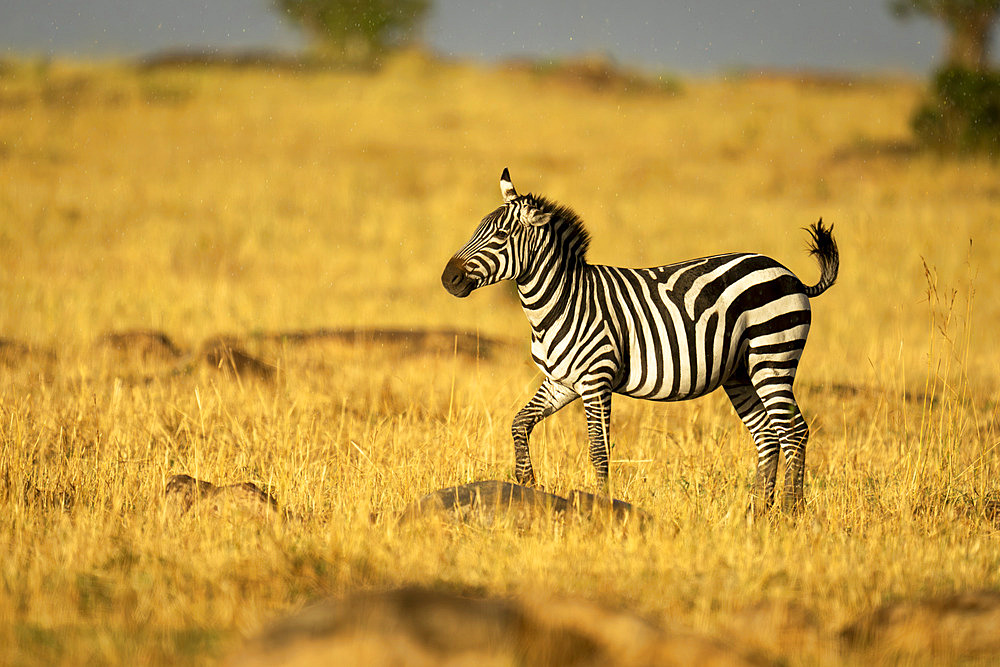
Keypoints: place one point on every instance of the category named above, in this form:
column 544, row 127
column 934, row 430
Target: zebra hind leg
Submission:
column 549, row 398
column 786, row 418
column 794, row 436
column 751, row 410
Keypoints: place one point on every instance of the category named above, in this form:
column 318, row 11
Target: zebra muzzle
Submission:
column 456, row 279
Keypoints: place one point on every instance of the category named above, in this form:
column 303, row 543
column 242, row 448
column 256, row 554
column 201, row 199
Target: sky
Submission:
column 699, row 37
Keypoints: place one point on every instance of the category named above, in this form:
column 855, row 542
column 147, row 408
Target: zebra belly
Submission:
column 668, row 391
column 670, row 398
column 672, row 358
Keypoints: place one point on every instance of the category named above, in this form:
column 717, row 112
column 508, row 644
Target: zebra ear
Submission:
column 535, row 218
column 506, row 187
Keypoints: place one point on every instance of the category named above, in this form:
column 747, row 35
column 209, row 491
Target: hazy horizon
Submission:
column 714, row 35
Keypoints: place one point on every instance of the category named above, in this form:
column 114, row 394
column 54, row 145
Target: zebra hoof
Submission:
column 759, row 508
column 793, row 504
column 524, row 473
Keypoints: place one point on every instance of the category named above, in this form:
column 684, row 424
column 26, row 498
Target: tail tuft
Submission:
column 824, row 248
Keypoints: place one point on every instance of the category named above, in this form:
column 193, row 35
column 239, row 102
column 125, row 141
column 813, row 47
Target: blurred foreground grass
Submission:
column 202, row 201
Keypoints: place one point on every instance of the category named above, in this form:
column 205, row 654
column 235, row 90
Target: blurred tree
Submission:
column 969, row 24
column 961, row 113
column 357, row 31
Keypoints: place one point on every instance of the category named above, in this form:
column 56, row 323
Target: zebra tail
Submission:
column 824, row 248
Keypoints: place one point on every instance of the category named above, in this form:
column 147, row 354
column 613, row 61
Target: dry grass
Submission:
column 203, row 202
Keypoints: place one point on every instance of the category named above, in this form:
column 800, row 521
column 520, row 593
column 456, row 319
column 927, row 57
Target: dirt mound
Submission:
column 33, row 495
column 966, row 624
column 15, row 353
column 407, row 341
column 415, row 626
column 183, row 493
column 48, row 498
column 224, row 354
column 984, row 509
column 486, row 501
column 776, row 627
column 132, row 348
column 596, row 72
column 236, row 59
column 140, row 344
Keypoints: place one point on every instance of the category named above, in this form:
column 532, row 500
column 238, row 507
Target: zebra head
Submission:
column 500, row 245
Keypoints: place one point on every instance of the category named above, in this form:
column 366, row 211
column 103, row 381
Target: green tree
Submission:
column 961, row 113
column 969, row 24
column 357, row 31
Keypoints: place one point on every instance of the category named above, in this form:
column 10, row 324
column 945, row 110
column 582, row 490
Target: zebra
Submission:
column 668, row 333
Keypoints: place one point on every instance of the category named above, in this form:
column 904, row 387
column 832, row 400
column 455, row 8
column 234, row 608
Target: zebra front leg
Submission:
column 597, row 405
column 549, row 398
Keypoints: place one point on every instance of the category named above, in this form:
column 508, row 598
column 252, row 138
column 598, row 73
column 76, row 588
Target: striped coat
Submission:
column 737, row 321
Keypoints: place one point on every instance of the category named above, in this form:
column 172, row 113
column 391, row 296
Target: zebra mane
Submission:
column 569, row 230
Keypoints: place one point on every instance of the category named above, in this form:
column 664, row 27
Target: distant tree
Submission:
column 357, row 31
column 969, row 24
column 961, row 113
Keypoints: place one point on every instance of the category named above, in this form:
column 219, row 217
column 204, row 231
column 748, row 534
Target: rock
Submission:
column 965, row 624
column 418, row 626
column 592, row 504
column 184, row 492
column 488, row 500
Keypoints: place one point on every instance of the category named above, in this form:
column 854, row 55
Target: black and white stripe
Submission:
column 737, row 321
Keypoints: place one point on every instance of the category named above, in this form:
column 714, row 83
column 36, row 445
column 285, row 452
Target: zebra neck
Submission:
column 550, row 292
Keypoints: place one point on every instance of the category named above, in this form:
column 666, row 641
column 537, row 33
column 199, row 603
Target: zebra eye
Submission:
column 501, row 235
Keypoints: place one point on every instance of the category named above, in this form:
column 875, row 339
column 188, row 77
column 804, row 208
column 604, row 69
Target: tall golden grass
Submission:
column 200, row 201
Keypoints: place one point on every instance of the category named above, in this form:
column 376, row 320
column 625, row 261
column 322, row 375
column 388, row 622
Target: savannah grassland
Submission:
column 207, row 201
